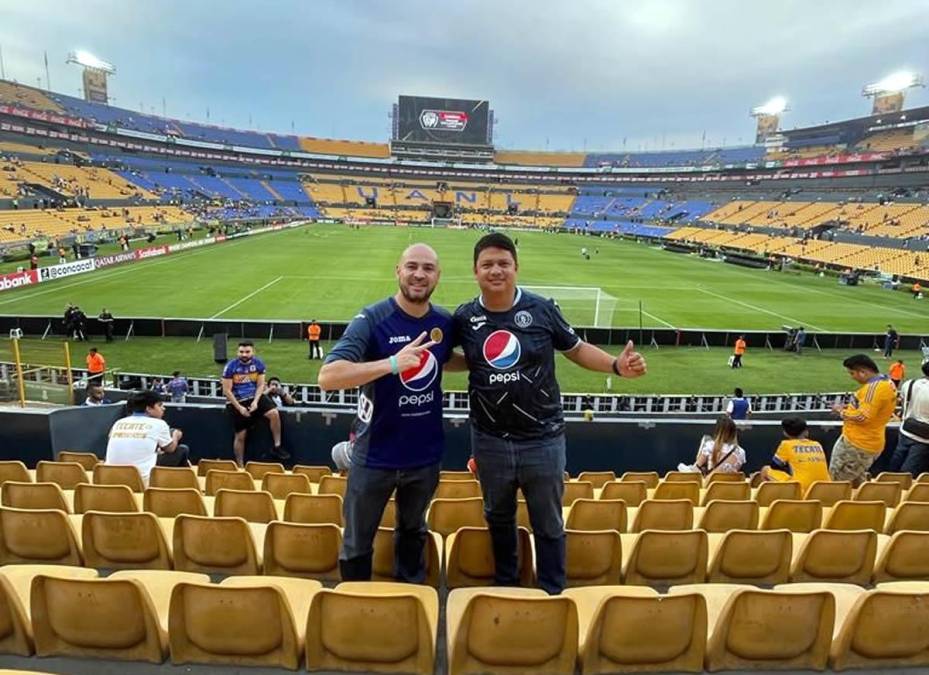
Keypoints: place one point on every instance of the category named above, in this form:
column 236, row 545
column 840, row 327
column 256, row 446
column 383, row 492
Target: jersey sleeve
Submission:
column 229, row 369
column 354, row 343
column 162, row 434
column 563, row 336
column 781, row 459
column 260, row 366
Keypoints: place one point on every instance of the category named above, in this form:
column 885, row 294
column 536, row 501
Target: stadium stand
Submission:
column 530, row 158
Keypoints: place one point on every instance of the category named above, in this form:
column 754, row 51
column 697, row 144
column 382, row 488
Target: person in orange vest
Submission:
column 917, row 290
column 313, row 333
column 897, row 372
column 740, row 346
column 96, row 365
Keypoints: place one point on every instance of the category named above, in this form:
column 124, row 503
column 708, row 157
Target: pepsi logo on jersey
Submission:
column 421, row 377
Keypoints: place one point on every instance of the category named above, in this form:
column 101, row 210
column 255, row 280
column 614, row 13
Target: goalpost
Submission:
column 581, row 305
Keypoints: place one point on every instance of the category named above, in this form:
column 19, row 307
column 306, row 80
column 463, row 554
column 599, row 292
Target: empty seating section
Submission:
column 327, row 146
column 530, row 158
column 888, row 141
column 29, row 97
column 56, row 223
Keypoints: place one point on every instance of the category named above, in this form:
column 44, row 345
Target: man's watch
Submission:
column 616, row 367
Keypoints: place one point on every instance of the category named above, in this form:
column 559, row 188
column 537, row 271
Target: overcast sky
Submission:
column 566, row 74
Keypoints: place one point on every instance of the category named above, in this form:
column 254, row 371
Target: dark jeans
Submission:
column 176, row 458
column 910, row 456
column 366, row 496
column 536, row 466
column 316, row 352
column 736, row 360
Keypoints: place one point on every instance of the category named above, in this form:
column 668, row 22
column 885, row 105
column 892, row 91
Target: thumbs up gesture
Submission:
column 630, row 363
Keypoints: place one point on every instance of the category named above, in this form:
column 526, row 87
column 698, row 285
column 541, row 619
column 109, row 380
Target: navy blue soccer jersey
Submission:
column 511, row 358
column 399, row 421
column 244, row 377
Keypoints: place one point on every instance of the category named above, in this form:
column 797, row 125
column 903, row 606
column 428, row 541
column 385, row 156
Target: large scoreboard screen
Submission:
column 423, row 119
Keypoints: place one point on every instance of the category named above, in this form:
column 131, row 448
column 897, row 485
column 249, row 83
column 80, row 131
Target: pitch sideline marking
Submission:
column 762, row 309
column 250, row 295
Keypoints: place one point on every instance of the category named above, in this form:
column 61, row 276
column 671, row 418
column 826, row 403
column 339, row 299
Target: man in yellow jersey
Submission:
column 864, row 420
column 797, row 457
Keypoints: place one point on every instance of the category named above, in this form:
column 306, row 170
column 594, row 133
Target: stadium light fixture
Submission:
column 775, row 106
column 88, row 60
column 893, row 83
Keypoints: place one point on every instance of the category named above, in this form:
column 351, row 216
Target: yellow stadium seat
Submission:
column 593, row 558
column 88, row 460
column 904, row 557
column 301, row 550
column 173, row 477
column 14, row 470
column 650, row 478
column 721, row 477
column 918, row 493
column 597, row 478
column 760, row 557
column 216, row 545
column 722, row 516
column 888, row 492
column 597, row 514
column 205, row 465
column 217, row 479
column 837, row 556
column 282, row 485
column 729, row 491
column 660, row 558
column 795, row 515
column 456, row 475
column 576, row 490
column 314, row 473
column 688, row 490
column 909, row 516
column 829, row 492
column 251, row 505
column 172, row 502
column 771, row 491
column 257, row 470
column 683, row 477
column 124, row 541
column 112, row 474
column 333, row 485
column 904, row 479
column 65, row 474
column 445, row 516
column 384, row 560
column 631, row 492
column 663, row 514
column 469, row 558
column 34, row 496
column 457, row 489
column 38, row 536
column 115, row 498
column 856, row 515
column 310, row 509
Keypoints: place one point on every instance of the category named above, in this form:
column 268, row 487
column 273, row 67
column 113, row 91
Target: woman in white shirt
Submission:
column 722, row 452
column 912, row 451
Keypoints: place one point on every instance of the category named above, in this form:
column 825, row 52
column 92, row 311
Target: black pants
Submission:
column 910, row 456
column 176, row 458
column 108, row 332
column 316, row 351
column 736, row 360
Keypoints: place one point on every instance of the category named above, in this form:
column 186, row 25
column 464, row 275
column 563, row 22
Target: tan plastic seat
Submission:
column 124, row 541
column 354, row 628
column 752, row 629
column 217, row 480
column 114, row 498
column 722, row 516
column 836, row 556
column 905, row 557
column 160, row 585
column 683, row 477
column 522, row 514
column 43, row 536
column 457, row 489
column 797, row 516
column 469, row 558
column 175, row 477
column 663, row 558
column 297, row 592
column 497, row 630
column 688, row 490
column 257, row 470
column 65, row 474
column 771, row 491
column 725, row 477
column 759, row 557
column 856, row 515
column 456, row 475
column 16, row 635
column 34, row 496
column 655, row 514
column 172, row 502
column 389, row 516
column 728, row 491
column 310, row 509
column 650, row 478
column 333, row 485
column 888, row 492
column 922, row 478
column 576, row 490
column 300, row 550
column 14, row 470
column 383, row 562
column 96, row 618
column 904, row 479
column 251, row 505
column 597, row 514
column 829, row 491
column 282, row 485
column 447, row 515
column 918, row 493
column 909, row 516
column 206, row 465
column 593, row 558
column 215, row 545
column 597, row 478
column 631, row 629
column 631, row 492
column 113, row 474
column 88, row 460
column 314, row 473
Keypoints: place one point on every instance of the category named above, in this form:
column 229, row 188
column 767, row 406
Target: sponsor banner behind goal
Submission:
column 18, row 279
column 67, row 269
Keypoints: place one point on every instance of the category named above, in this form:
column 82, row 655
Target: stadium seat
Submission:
column 173, row 477
column 213, row 545
column 661, row 558
column 114, row 498
column 632, row 629
column 663, row 514
column 918, row 493
column 14, row 470
column 206, row 465
column 314, row 473
column 631, row 492
column 172, row 502
column 257, row 470
column 838, row 556
column 576, row 490
column 354, row 628
column 510, row 630
column 688, row 490
column 254, row 506
column 34, row 496
column 282, row 485
column 65, row 474
column 597, row 478
column 445, row 516
column 301, row 550
column 522, row 514
column 310, row 509
column 684, row 477
column 800, row 515
column 456, row 475
column 650, row 478
column 758, row 557
column 389, row 516
column 88, row 460
column 469, row 558
column 721, row 477
column 384, row 560
column 752, row 629
column 42, row 536
column 770, row 491
column 333, row 485
column 829, row 492
column 457, row 489
column 722, row 516
column 112, row 474
column 125, row 541
column 597, row 514
column 908, row 516
column 217, row 479
column 887, row 492
column 904, row 479
column 729, row 491
column 922, row 478
column 904, row 557
column 593, row 558
column 855, row 515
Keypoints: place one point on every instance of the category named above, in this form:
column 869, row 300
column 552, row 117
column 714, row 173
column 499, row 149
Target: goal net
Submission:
column 581, row 305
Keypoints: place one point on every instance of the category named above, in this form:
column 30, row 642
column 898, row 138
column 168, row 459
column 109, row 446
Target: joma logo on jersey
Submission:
column 394, row 339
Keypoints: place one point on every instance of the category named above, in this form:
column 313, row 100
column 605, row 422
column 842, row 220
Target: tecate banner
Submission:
column 18, row 280
column 67, row 269
column 107, row 260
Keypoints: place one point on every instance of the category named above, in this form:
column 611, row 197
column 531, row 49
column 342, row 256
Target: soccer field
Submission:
column 328, row 272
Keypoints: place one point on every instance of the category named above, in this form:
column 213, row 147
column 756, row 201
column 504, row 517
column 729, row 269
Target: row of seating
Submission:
column 283, row 622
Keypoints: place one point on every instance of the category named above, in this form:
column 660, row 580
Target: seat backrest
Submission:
column 172, row 502
column 664, row 514
column 301, row 550
column 175, row 477
column 469, row 557
column 281, row 485
column 205, row 465
column 259, row 469
column 725, row 477
column 37, row 536
column 918, row 493
column 115, row 498
column 593, row 558
column 383, row 564
column 254, row 506
column 857, row 515
column 757, row 557
column 683, row 477
column 333, row 485
column 88, row 460
column 14, row 470
column 314, row 473
column 220, row 545
column 904, row 558
column 662, row 558
column 456, row 475
column 33, row 496
column 65, row 474
column 597, row 478
column 447, row 515
column 597, row 514
column 389, row 517
column 217, row 479
column 113, row 474
column 837, row 556
column 631, row 492
column 888, row 492
column 722, row 516
column 650, row 478
column 729, row 491
column 124, row 541
column 457, row 489
column 829, row 491
column 678, row 490
column 576, row 490
column 913, row 516
column 796, row 515
column 300, row 508
column 902, row 477
column 771, row 491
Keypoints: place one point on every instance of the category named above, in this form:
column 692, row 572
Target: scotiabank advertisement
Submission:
column 18, row 279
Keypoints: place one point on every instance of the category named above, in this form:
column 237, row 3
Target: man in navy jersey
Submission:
column 509, row 337
column 394, row 351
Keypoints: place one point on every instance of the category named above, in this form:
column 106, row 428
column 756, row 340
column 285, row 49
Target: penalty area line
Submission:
column 247, row 297
column 762, row 309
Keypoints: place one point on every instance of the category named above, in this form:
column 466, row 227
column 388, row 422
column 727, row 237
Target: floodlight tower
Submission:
column 769, row 117
column 888, row 94
column 95, row 74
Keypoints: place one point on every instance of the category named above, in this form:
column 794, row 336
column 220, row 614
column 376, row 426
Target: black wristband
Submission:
column 616, row 367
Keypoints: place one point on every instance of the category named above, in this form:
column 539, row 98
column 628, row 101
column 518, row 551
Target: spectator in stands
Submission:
column 797, row 457
column 106, row 319
column 177, row 387
column 912, row 451
column 143, row 439
column 96, row 365
column 313, row 333
column 739, row 350
column 891, row 341
column 864, row 421
column 278, row 393
column 739, row 407
column 394, row 350
column 721, row 453
column 158, row 386
column 897, row 372
column 509, row 337
column 244, row 388
column 95, row 395
column 34, row 262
